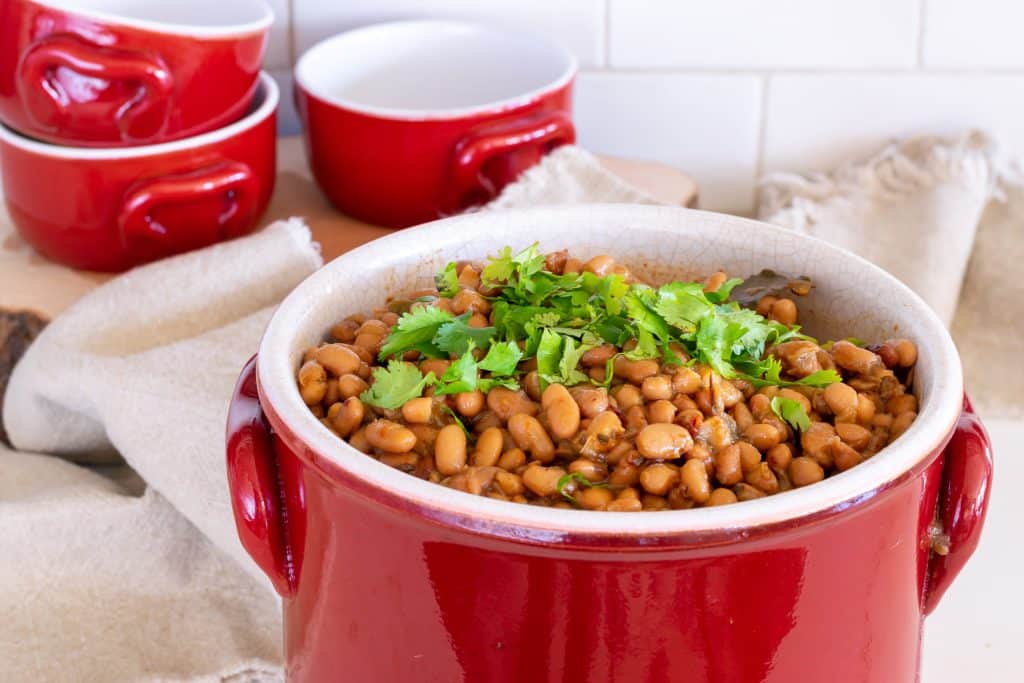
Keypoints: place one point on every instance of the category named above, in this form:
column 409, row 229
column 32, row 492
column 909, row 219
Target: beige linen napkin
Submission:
column 102, row 584
column 943, row 215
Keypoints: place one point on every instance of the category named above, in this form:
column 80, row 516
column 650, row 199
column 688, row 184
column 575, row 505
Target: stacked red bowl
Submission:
column 133, row 131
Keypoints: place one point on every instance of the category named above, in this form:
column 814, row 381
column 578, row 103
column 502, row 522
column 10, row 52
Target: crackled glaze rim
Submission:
column 305, row 315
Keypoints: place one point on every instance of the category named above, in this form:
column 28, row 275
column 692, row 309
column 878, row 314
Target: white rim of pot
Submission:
column 197, row 30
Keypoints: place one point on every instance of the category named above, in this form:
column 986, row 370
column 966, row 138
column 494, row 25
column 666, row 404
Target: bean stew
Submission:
column 546, row 380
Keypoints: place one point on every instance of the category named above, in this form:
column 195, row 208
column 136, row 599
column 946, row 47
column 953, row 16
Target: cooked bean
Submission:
column 694, row 476
column 530, row 436
column 663, row 441
column 794, row 395
column 907, row 352
column 716, row 433
column 783, row 311
column 345, row 331
column 626, row 396
column 816, row 442
column 865, row 409
column 591, row 400
column 661, row 411
column 488, row 447
column 588, row 469
column 510, row 484
column 656, row 387
column 597, row 356
column 337, row 359
column 841, row 399
column 531, row 385
column 512, row 459
column 312, row 382
column 778, row 457
column 562, row 410
column 624, row 505
column 358, row 441
column 469, row 300
column 803, row 471
column 745, row 491
column 728, row 469
column 652, row 502
column 418, row 410
column 658, row 478
column 333, row 393
column 685, row 381
column 762, row 436
column 505, row 403
column 624, row 474
column 902, row 403
column 742, row 416
column 541, row 480
column 601, row 264
column 764, row 305
column 721, row 496
column 605, row 430
column 594, row 498
column 390, row 436
column 635, row 420
column 799, row 357
column 635, row 371
column 469, row 403
column 762, row 478
column 450, row 449
column 714, row 281
column 351, row 385
column 402, row 461
column 855, row 359
column 347, row 416
column 843, row 456
column 902, row 422
column 853, row 434
column 474, row 480
column 434, row 365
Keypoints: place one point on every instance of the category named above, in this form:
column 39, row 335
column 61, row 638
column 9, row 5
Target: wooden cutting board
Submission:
column 28, row 281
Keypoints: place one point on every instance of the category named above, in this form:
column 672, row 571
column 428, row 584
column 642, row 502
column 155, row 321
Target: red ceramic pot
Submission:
column 111, row 209
column 123, row 72
column 409, row 121
column 388, row 578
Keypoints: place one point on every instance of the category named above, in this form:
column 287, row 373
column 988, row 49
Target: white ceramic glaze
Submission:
column 264, row 104
column 851, row 297
column 198, row 18
column 432, row 69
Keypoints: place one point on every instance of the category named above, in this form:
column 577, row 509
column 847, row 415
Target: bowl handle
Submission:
column 254, row 483
column 963, row 502
column 232, row 180
column 540, row 132
column 55, row 107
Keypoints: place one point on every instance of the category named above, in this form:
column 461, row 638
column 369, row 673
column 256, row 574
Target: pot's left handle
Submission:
column 254, row 482
column 963, row 502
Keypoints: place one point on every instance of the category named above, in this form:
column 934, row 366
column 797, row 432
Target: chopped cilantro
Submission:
column 568, row 483
column 416, row 331
column 461, row 375
column 455, row 336
column 791, row 411
column 502, row 358
column 396, row 384
column 447, row 281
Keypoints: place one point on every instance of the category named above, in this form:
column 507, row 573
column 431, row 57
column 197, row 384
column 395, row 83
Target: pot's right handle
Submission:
column 254, row 483
column 963, row 502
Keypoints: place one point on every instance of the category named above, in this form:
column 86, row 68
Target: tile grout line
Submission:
column 761, row 135
column 291, row 35
column 993, row 72
column 922, row 15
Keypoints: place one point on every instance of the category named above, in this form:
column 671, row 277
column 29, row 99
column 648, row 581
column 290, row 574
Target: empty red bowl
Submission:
column 412, row 120
column 125, row 72
column 111, row 209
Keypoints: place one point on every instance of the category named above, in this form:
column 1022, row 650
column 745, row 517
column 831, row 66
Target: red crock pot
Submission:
column 107, row 73
column 409, row 121
column 111, row 209
column 388, row 578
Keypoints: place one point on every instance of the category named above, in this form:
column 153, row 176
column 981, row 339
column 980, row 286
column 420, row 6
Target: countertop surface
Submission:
column 974, row 634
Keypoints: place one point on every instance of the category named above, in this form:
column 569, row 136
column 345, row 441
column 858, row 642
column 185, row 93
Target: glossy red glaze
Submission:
column 111, row 211
column 378, row 589
column 75, row 79
column 400, row 172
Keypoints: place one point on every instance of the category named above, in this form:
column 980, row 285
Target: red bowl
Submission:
column 111, row 209
column 122, row 72
column 409, row 121
column 389, row 578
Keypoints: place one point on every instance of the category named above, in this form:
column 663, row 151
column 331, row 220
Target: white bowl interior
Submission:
column 175, row 15
column 851, row 298
column 426, row 68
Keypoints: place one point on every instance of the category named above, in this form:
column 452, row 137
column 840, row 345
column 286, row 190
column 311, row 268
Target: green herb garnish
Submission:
column 447, row 281
column 396, row 384
column 565, row 480
column 791, row 411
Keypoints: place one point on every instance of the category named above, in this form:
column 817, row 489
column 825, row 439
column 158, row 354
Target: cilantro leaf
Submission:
column 455, row 336
column 820, row 379
column 791, row 411
column 396, row 384
column 447, row 281
column 416, row 330
column 568, row 372
column 723, row 292
column 549, row 353
column 568, row 483
column 683, row 304
column 461, row 375
column 502, row 358
column 458, row 421
column 485, row 384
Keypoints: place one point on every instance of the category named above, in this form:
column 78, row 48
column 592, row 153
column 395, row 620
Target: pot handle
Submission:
column 963, row 502
column 254, row 484
column 51, row 106
column 546, row 130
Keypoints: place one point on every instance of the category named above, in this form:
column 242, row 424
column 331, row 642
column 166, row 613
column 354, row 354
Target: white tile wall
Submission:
column 974, row 33
column 705, row 124
column 763, row 33
column 727, row 88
